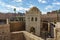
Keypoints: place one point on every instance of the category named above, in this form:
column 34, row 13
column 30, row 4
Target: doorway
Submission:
column 32, row 30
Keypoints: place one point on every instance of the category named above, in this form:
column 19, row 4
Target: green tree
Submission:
column 14, row 10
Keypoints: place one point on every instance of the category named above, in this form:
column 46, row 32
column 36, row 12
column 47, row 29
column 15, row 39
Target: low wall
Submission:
column 24, row 36
column 30, row 36
column 57, row 31
column 58, row 34
column 5, row 32
column 17, row 36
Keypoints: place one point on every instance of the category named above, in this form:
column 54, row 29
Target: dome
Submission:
column 34, row 9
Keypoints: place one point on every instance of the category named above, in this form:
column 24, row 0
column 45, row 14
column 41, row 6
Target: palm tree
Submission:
column 14, row 10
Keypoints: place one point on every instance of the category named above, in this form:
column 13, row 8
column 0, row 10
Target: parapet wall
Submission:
column 5, row 32
column 57, row 34
column 17, row 36
column 24, row 35
column 30, row 36
column 5, row 28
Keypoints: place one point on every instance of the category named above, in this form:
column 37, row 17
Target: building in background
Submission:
column 33, row 21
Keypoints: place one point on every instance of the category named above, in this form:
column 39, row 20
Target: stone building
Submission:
column 33, row 21
column 5, row 31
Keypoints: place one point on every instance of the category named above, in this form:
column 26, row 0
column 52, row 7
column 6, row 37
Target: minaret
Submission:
column 33, row 21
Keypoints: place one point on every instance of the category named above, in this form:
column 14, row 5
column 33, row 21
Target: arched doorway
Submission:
column 32, row 30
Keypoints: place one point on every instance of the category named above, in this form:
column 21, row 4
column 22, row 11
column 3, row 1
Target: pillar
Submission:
column 7, row 21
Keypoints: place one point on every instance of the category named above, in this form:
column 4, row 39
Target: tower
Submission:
column 33, row 21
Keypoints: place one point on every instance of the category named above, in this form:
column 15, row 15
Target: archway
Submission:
column 32, row 30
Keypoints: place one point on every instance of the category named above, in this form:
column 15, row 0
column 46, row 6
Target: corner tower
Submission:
column 33, row 21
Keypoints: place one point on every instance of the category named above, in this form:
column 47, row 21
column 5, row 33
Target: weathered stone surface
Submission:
column 17, row 36
column 5, row 32
column 17, row 26
column 33, row 13
column 24, row 35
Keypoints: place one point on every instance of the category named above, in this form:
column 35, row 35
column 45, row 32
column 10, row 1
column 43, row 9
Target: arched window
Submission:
column 32, row 19
column 35, row 18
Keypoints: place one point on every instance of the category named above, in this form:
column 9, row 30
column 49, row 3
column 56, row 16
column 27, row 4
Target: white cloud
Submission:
column 42, row 1
column 44, row 12
column 48, row 7
column 9, row 7
column 6, row 5
column 18, row 0
column 17, row 8
column 31, row 5
column 12, row 7
column 56, row 3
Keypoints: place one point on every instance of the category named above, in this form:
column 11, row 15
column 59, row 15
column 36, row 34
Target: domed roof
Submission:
column 34, row 8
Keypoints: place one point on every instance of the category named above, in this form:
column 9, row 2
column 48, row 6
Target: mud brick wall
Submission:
column 17, row 26
column 17, row 36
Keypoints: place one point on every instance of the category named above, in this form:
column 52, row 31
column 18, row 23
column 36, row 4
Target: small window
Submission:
column 36, row 19
column 32, row 19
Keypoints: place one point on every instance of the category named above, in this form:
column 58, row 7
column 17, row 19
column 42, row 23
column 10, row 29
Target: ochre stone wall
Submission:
column 5, row 32
column 33, row 19
column 23, row 35
column 57, row 33
column 17, row 36
column 17, row 26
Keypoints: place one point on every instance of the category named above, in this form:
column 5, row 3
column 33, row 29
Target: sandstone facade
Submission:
column 33, row 20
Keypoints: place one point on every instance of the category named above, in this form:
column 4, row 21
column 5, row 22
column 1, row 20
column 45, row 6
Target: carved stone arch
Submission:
column 32, row 30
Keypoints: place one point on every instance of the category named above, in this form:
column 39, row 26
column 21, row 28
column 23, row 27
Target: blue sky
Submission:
column 24, row 5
